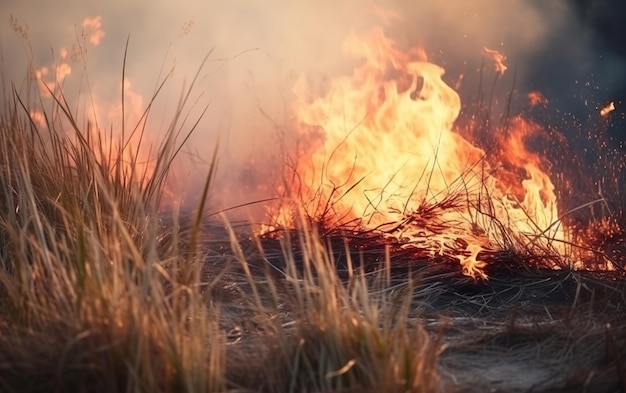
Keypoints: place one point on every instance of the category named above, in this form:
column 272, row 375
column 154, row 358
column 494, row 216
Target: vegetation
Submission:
column 100, row 292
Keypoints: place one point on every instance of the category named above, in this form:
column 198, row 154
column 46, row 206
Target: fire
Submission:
column 131, row 157
column 498, row 60
column 384, row 155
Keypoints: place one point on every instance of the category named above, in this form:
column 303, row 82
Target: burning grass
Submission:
column 102, row 291
column 391, row 156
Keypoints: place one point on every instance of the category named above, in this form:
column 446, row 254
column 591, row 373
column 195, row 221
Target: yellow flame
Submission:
column 383, row 154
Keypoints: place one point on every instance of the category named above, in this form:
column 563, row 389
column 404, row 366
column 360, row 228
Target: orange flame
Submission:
column 383, row 154
column 498, row 59
column 134, row 156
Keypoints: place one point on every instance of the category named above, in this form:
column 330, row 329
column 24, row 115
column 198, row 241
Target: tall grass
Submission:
column 85, row 296
column 98, row 294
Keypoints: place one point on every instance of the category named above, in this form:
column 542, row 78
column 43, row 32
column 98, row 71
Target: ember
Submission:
column 607, row 109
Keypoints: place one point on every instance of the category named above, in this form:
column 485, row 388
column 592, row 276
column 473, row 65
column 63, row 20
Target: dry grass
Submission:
column 99, row 292
column 84, row 294
column 348, row 334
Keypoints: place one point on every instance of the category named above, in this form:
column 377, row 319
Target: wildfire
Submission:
column 384, row 155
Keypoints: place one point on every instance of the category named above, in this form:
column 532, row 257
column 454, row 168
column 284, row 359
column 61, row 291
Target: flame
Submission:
column 498, row 59
column 92, row 32
column 382, row 152
column 135, row 157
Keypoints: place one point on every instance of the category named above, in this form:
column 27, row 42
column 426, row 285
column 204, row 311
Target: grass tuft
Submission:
column 349, row 336
column 86, row 286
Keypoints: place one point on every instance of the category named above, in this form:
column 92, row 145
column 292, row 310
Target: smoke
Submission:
column 258, row 50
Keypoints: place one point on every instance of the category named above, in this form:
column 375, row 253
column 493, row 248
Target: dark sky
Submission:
column 586, row 67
